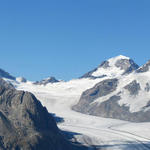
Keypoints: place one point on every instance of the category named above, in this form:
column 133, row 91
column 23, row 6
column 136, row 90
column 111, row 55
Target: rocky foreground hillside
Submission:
column 25, row 124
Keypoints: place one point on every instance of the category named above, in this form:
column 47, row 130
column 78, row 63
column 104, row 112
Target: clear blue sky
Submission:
column 66, row 38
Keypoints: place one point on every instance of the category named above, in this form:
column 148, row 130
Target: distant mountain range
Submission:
column 121, row 91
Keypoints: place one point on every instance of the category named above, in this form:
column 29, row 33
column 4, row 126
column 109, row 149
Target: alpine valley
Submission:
column 107, row 108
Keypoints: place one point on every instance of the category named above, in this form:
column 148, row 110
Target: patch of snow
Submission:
column 21, row 79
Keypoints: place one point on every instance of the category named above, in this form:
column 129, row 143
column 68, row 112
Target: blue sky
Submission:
column 66, row 38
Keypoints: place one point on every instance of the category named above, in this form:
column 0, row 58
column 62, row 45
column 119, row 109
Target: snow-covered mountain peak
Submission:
column 115, row 66
column 112, row 61
column 115, row 62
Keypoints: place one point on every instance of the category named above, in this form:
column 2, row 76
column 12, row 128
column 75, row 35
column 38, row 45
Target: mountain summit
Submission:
column 113, row 67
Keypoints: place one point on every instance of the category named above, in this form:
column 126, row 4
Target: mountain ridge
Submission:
column 123, row 87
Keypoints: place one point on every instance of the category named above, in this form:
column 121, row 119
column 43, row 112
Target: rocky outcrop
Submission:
column 25, row 124
column 128, row 65
column 46, row 81
column 144, row 68
column 99, row 90
column 147, row 87
column 133, row 87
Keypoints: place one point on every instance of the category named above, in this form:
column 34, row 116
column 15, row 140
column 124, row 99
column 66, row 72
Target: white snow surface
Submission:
column 111, row 71
column 20, row 79
column 96, row 132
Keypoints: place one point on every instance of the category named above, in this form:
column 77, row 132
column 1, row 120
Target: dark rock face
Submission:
column 4, row 74
column 101, row 89
column 127, row 65
column 133, row 87
column 46, row 81
column 144, row 68
column 110, row 108
column 147, row 88
column 5, row 84
column 25, row 124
